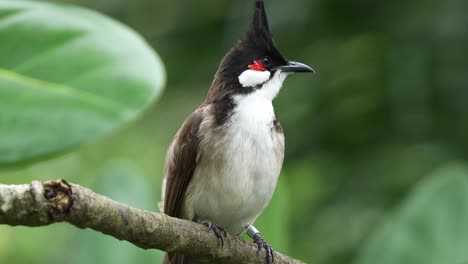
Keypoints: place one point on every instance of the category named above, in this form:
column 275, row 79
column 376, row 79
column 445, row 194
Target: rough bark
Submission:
column 45, row 203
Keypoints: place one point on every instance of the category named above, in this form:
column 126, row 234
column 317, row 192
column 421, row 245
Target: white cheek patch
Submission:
column 252, row 78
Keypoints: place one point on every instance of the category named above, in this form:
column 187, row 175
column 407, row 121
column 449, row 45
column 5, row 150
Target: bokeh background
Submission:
column 386, row 110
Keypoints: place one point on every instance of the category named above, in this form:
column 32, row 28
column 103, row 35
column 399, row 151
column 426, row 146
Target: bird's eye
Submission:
column 265, row 61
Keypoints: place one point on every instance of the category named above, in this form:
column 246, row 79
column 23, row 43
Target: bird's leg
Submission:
column 258, row 239
column 217, row 229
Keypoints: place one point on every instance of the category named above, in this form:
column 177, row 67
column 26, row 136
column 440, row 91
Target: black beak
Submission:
column 294, row 66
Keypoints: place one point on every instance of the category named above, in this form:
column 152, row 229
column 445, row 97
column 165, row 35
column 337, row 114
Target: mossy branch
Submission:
column 45, row 203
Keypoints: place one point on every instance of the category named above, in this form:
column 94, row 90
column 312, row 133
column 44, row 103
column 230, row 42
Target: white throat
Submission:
column 269, row 87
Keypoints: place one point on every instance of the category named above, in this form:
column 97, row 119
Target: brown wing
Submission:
column 181, row 162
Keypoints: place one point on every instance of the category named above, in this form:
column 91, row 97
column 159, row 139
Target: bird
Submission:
column 223, row 164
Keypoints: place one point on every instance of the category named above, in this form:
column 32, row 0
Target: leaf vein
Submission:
column 62, row 89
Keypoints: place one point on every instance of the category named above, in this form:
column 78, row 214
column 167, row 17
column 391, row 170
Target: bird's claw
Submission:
column 217, row 229
column 262, row 244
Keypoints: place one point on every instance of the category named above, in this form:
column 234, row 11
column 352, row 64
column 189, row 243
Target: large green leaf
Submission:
column 430, row 227
column 67, row 76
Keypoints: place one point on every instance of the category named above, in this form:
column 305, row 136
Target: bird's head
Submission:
column 254, row 64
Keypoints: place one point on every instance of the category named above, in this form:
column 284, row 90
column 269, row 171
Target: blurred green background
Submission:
column 376, row 141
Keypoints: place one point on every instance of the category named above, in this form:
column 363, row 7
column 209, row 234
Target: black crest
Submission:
column 257, row 43
column 259, row 35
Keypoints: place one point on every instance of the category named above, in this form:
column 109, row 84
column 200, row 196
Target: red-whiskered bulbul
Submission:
column 223, row 165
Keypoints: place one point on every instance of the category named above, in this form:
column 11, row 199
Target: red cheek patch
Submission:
column 257, row 66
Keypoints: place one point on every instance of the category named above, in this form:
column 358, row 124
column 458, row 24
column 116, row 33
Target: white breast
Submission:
column 237, row 169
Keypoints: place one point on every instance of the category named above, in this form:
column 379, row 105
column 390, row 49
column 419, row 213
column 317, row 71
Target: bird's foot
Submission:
column 217, row 229
column 262, row 244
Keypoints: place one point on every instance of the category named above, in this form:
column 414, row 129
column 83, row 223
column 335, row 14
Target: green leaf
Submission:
column 430, row 226
column 67, row 76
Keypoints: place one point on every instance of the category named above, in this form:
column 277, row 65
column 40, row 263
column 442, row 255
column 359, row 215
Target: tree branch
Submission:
column 45, row 203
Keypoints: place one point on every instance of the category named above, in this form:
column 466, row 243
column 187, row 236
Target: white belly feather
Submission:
column 237, row 171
